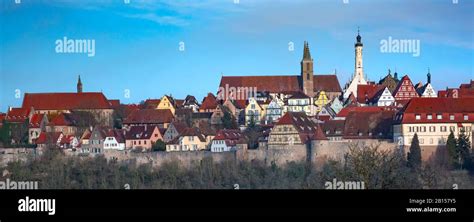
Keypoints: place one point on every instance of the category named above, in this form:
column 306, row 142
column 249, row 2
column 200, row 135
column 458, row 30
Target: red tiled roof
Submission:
column 35, row 120
column 62, row 119
column 278, row 84
column 433, row 106
column 18, row 115
column 193, row 131
column 209, row 102
column 467, row 85
column 67, row 139
column 114, row 102
column 150, row 116
column 346, row 110
column 118, row 134
column 369, row 125
column 65, row 101
column 457, row 93
column 368, row 92
column 48, row 137
column 307, row 129
column 140, row 132
column 151, row 103
column 333, row 127
column 230, row 136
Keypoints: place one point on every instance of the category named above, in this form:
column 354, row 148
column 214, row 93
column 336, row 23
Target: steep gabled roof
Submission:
column 209, row 102
column 366, row 93
column 140, row 132
column 48, row 137
column 36, row 119
column 307, row 129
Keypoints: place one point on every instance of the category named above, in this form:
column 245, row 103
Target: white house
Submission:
column 274, row 110
column 114, row 140
column 226, row 140
column 384, row 98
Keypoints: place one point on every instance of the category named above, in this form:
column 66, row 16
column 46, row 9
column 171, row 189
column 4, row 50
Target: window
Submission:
column 451, row 117
column 466, row 117
column 417, row 116
column 432, row 129
column 429, row 116
column 443, row 128
column 144, row 142
column 439, row 116
column 451, row 128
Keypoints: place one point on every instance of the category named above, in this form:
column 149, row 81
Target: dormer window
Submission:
column 451, row 117
column 417, row 116
column 466, row 117
column 429, row 116
column 439, row 116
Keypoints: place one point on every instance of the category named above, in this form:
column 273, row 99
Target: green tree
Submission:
column 5, row 138
column 451, row 147
column 159, row 146
column 463, row 150
column 228, row 120
column 414, row 155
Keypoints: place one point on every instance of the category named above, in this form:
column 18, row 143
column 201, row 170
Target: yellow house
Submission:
column 167, row 102
column 256, row 110
column 191, row 139
column 321, row 100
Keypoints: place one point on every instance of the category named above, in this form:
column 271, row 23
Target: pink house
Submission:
column 142, row 137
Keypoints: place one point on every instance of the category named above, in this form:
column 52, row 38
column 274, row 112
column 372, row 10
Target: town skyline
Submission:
column 149, row 65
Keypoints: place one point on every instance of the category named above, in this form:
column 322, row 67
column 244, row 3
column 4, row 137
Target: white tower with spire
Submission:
column 358, row 77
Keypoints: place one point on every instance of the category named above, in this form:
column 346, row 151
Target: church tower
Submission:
column 307, row 72
column 359, row 70
column 358, row 77
column 79, row 85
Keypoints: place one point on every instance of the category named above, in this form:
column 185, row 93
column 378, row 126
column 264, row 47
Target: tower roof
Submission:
column 306, row 53
column 358, row 38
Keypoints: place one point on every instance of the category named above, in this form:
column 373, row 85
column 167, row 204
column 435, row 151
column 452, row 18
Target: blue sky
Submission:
column 137, row 44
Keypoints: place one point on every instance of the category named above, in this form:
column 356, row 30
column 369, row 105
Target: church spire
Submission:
column 306, row 54
column 307, row 72
column 79, row 85
column 358, row 38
